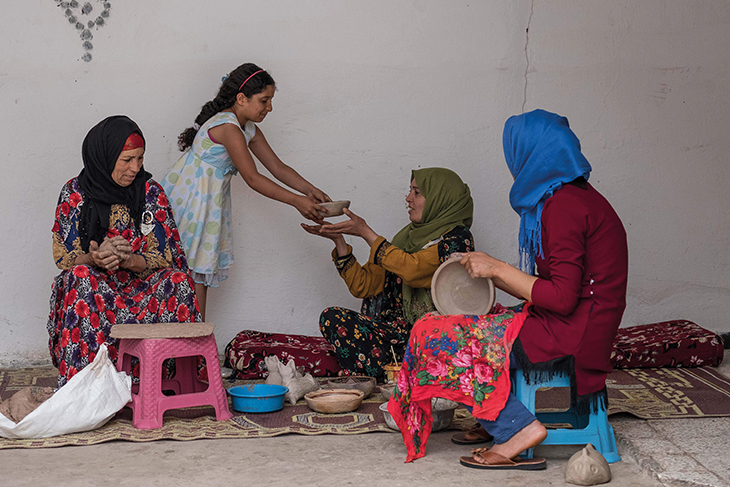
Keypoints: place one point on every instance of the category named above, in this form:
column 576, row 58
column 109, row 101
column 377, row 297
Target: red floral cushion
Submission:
column 245, row 354
column 678, row 343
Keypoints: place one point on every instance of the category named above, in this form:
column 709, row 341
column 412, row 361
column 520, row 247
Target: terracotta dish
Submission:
column 454, row 292
column 334, row 400
column 335, row 208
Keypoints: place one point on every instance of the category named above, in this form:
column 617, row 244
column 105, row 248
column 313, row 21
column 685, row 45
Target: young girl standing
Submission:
column 215, row 148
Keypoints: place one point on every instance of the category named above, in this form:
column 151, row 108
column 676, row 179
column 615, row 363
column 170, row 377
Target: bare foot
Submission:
column 531, row 435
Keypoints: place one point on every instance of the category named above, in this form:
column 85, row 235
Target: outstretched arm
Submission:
column 284, row 173
column 341, row 246
column 362, row 281
column 356, row 226
column 416, row 269
column 233, row 140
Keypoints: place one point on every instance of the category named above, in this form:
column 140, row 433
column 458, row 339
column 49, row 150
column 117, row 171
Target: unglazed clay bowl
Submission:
column 334, row 400
column 334, row 207
column 359, row 382
column 455, row 292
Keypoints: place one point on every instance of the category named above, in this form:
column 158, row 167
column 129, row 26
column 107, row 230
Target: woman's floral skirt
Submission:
column 85, row 303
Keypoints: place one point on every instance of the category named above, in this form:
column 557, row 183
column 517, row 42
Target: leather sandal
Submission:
column 495, row 461
column 472, row 437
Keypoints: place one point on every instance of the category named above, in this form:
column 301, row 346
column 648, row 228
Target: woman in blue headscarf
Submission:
column 576, row 242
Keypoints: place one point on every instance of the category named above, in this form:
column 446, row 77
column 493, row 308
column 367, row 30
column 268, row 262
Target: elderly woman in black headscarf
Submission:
column 117, row 245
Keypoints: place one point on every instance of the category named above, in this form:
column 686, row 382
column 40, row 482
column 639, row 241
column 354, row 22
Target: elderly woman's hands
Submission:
column 112, row 254
column 120, row 246
column 104, row 256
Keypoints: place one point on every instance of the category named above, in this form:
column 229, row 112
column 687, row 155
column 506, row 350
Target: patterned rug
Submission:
column 656, row 394
column 199, row 423
column 645, row 393
column 669, row 393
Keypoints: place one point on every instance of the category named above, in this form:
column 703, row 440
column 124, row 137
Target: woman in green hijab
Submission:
column 396, row 280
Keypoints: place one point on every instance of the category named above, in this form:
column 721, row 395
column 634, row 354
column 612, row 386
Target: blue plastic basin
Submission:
column 258, row 398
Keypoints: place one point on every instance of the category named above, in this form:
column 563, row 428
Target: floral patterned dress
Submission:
column 362, row 341
column 458, row 357
column 86, row 301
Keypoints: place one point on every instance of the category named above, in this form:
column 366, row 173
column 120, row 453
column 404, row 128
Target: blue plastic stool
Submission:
column 592, row 428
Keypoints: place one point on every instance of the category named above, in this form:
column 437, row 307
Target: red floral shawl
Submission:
column 464, row 358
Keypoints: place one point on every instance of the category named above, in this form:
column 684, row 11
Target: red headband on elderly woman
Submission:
column 134, row 141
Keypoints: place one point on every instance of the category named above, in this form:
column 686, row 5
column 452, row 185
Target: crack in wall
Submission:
column 527, row 57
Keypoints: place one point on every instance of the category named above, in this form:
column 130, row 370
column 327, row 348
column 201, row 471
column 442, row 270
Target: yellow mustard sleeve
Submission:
column 415, row 269
column 362, row 281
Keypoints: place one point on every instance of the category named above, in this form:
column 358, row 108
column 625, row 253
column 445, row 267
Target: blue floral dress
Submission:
column 199, row 188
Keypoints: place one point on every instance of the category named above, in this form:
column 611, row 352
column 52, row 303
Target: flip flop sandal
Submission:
column 472, row 437
column 495, row 461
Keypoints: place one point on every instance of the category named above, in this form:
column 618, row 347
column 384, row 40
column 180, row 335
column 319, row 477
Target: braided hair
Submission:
column 226, row 97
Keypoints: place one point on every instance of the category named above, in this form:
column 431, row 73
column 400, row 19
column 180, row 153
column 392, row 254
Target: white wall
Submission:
column 368, row 91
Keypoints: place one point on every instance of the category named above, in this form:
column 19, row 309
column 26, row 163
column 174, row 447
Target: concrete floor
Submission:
column 686, row 453
column 374, row 459
column 679, row 452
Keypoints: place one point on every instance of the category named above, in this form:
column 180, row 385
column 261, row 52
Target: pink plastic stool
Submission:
column 153, row 344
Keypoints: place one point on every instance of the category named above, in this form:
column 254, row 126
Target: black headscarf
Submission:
column 100, row 152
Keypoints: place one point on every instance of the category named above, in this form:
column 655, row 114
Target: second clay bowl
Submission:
column 442, row 412
column 334, row 400
column 359, row 382
column 455, row 292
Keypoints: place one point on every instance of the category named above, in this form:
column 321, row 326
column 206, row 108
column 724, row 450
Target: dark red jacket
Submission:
column 580, row 297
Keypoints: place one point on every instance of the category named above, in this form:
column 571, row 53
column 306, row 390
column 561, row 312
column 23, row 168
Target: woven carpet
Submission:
column 645, row 393
column 199, row 423
column 656, row 394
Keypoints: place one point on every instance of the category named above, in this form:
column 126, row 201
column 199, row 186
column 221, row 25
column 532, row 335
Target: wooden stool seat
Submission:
column 162, row 330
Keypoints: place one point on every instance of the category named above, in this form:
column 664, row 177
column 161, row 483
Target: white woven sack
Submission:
column 87, row 401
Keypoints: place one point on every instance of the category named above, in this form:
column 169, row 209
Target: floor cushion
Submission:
column 245, row 354
column 679, row 343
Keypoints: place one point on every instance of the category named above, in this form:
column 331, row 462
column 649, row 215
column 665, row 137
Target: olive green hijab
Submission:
column 448, row 205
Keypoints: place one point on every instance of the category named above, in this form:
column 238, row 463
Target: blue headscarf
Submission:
column 542, row 153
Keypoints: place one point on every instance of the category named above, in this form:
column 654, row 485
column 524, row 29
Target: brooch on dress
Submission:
column 148, row 222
